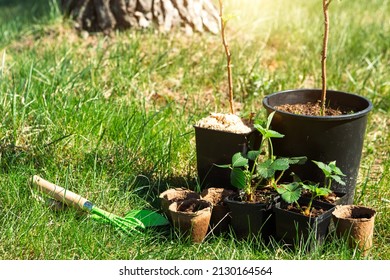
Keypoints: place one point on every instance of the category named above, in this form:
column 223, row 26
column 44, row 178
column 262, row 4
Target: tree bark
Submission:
column 107, row 15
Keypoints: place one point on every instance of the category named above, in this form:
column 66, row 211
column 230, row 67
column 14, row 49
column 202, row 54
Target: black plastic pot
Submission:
column 319, row 138
column 294, row 228
column 251, row 219
column 218, row 147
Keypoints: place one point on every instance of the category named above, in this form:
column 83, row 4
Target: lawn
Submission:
column 111, row 118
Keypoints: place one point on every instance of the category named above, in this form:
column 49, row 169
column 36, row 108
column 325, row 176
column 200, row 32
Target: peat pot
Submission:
column 175, row 195
column 321, row 138
column 220, row 216
column 218, row 147
column 191, row 218
column 356, row 224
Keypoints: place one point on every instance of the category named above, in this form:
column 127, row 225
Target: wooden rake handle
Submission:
column 61, row 194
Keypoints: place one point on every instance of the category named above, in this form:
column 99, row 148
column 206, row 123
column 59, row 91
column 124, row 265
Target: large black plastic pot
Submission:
column 294, row 228
column 326, row 138
column 218, row 147
column 251, row 219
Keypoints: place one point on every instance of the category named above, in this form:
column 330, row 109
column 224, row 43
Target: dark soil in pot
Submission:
column 322, row 138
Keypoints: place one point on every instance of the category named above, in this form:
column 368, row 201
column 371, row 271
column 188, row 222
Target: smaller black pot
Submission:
column 251, row 219
column 218, row 147
column 294, row 228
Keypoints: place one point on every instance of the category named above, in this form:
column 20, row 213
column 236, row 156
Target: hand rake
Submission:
column 130, row 223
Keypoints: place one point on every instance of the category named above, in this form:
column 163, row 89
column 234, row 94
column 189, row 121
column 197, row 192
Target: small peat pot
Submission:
column 192, row 218
column 295, row 228
column 220, row 218
column 321, row 138
column 217, row 147
column 175, row 195
column 355, row 224
column 251, row 219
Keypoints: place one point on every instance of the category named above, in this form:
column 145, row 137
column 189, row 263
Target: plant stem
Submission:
column 325, row 5
column 228, row 57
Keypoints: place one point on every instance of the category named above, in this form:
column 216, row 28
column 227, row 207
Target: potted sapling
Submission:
column 325, row 125
column 256, row 174
column 219, row 135
column 332, row 173
column 300, row 220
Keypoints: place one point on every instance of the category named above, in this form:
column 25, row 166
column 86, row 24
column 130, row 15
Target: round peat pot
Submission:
column 250, row 219
column 356, row 224
column 175, row 195
column 192, row 218
column 218, row 147
column 321, row 138
column 220, row 218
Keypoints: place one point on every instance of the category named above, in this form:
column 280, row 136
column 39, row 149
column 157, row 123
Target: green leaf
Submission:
column 252, row 155
column 238, row 160
column 323, row 191
column 269, row 119
column 297, row 160
column 273, row 134
column 325, row 168
column 311, row 188
column 335, row 169
column 261, row 129
column 338, row 179
column 290, row 192
column 280, row 164
column 264, row 169
column 223, row 165
column 238, row 178
column 148, row 217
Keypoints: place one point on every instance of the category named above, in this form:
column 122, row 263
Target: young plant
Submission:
column 291, row 193
column 315, row 191
column 331, row 172
column 259, row 167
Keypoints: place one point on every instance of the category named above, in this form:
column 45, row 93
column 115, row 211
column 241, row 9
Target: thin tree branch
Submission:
column 228, row 57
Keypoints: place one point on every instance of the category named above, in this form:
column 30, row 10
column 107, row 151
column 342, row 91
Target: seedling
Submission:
column 331, row 172
column 259, row 167
column 291, row 193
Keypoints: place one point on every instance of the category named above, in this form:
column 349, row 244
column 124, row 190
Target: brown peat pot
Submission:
column 192, row 218
column 356, row 224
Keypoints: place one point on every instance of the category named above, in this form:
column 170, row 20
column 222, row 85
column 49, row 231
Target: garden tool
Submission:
column 132, row 222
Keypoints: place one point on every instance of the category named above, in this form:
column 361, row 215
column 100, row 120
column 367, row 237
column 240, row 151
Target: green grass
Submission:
column 111, row 119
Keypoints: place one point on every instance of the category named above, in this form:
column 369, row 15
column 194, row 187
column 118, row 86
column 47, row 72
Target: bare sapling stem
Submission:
column 325, row 5
column 228, row 57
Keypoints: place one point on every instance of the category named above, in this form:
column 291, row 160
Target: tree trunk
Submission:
column 107, row 15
